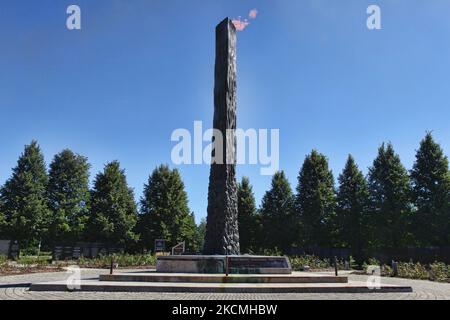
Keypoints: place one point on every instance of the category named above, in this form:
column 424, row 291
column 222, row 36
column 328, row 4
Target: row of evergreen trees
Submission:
column 58, row 207
column 390, row 208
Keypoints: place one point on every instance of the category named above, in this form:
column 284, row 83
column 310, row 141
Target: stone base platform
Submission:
column 298, row 282
column 217, row 264
column 220, row 278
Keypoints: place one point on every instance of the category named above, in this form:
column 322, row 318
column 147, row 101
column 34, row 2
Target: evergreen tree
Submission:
column 113, row 209
column 352, row 208
column 389, row 199
column 277, row 215
column 201, row 233
column 68, row 195
column 23, row 198
column 165, row 212
column 316, row 201
column 431, row 194
column 3, row 223
column 247, row 217
column 188, row 231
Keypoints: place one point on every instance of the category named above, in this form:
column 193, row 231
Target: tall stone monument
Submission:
column 221, row 249
column 222, row 236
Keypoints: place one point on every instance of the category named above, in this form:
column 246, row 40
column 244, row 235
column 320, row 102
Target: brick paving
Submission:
column 16, row 288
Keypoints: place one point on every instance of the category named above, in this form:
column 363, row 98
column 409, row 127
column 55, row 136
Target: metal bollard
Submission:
column 335, row 266
column 111, row 269
column 227, row 266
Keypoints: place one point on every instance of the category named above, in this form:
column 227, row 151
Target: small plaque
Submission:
column 160, row 245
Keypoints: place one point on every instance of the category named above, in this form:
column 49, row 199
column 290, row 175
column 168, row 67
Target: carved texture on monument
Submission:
column 222, row 236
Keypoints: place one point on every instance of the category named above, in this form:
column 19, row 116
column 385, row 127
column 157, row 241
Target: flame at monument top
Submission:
column 253, row 13
column 242, row 24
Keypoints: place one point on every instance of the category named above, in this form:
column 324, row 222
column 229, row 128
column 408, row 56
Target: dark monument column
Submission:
column 222, row 236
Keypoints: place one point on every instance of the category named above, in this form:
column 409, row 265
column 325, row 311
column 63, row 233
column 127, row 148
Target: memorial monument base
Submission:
column 215, row 264
column 152, row 281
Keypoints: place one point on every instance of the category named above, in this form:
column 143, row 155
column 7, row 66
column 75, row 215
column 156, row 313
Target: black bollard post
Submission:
column 111, row 269
column 335, row 266
column 227, row 266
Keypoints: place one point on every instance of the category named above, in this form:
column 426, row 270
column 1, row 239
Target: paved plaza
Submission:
column 16, row 288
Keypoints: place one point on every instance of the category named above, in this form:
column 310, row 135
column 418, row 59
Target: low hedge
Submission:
column 3, row 261
column 436, row 271
column 34, row 260
column 298, row 263
column 123, row 260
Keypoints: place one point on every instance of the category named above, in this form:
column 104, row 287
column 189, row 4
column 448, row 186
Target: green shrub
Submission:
column 436, row 271
column 371, row 262
column 34, row 260
column 411, row 270
column 353, row 264
column 3, row 259
column 298, row 262
column 135, row 260
column 123, row 260
column 271, row 252
column 386, row 271
column 439, row 272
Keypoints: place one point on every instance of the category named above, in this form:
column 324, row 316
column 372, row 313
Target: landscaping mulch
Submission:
column 10, row 271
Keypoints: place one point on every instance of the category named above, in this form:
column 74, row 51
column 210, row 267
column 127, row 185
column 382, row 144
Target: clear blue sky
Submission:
column 140, row 69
